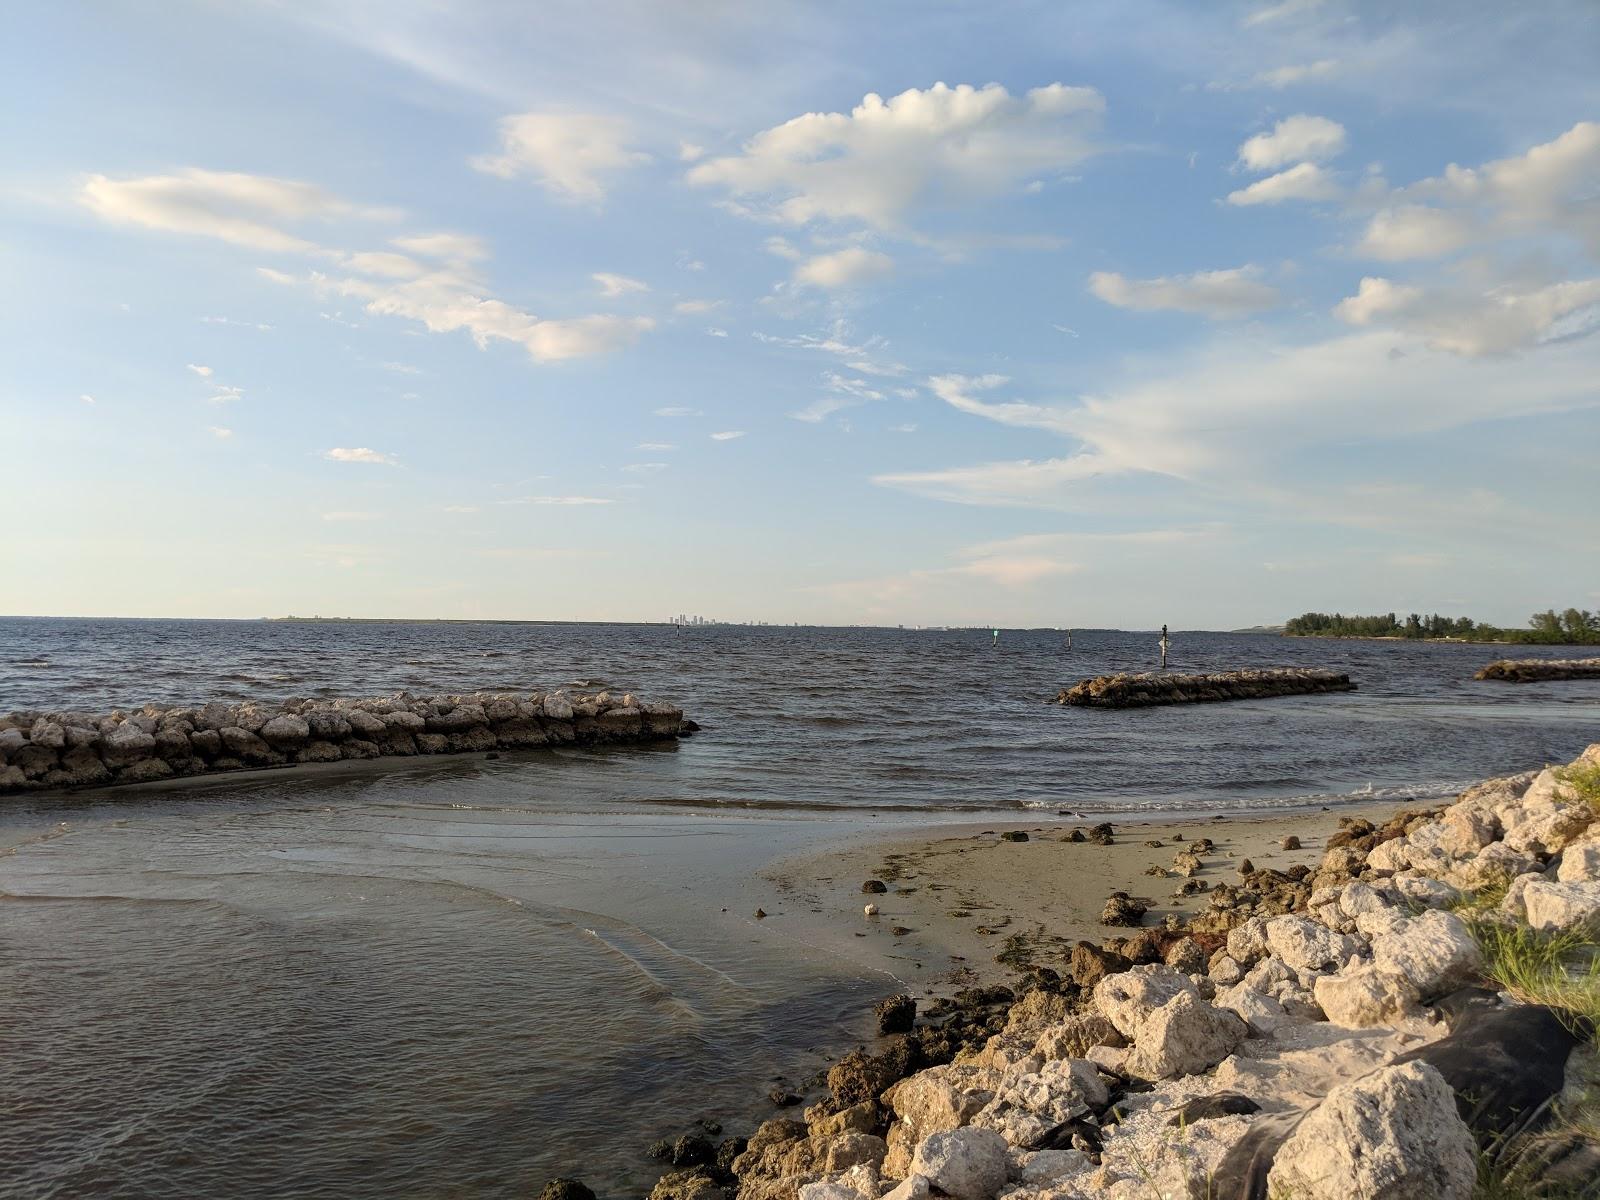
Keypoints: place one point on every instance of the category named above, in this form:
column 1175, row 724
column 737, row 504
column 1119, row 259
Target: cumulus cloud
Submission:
column 939, row 145
column 844, row 268
column 1233, row 293
column 1307, row 181
column 203, row 372
column 246, row 210
column 1474, row 322
column 1552, row 188
column 570, row 155
column 357, row 454
column 617, row 285
column 1299, row 138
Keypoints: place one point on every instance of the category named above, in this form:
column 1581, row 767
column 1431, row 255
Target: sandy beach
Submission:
column 959, row 896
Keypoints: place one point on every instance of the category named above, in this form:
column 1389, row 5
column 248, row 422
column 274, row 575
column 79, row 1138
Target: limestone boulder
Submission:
column 286, row 730
column 1308, row 945
column 939, row 1099
column 557, row 707
column 1263, row 1014
column 1580, row 861
column 1553, row 907
column 364, row 724
column 1185, row 1036
column 1366, row 996
column 1126, row 999
column 966, row 1164
column 1076, row 1036
column 404, row 720
column 49, row 734
column 1247, row 942
column 1435, row 953
column 1389, row 857
column 1392, row 1135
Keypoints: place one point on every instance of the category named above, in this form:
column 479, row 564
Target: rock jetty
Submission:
column 1367, row 1029
column 1153, row 687
column 1533, row 670
column 72, row 750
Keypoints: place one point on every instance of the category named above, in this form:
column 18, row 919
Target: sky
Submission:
column 1091, row 314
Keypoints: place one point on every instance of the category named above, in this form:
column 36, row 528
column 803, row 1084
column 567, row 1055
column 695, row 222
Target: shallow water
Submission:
column 460, row 977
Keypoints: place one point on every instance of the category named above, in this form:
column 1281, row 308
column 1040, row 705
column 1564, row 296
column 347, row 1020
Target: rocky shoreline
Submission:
column 48, row 750
column 1412, row 1017
column 1535, row 670
column 1151, row 687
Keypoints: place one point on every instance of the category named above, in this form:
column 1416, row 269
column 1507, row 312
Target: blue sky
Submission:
column 1089, row 314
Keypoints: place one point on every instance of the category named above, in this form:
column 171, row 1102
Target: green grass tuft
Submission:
column 1560, row 970
column 1583, row 778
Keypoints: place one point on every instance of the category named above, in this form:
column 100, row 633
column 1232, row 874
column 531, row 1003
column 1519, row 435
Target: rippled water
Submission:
column 459, row 977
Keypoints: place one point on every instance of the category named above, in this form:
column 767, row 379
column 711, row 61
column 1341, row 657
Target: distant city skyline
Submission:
column 1091, row 315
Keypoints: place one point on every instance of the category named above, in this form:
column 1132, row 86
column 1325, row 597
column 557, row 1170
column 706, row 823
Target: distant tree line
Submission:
column 1575, row 626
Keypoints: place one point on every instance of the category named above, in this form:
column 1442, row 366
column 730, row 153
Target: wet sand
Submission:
column 959, row 896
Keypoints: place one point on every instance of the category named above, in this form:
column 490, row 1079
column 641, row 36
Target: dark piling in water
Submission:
column 1142, row 690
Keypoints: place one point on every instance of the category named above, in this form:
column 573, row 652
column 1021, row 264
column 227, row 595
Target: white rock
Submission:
column 1552, row 907
column 1183, row 1037
column 939, row 1099
column 1358, row 898
column 968, row 1164
column 1580, row 862
column 1375, row 924
column 1421, row 891
column 1225, row 970
column 1127, row 998
column 1261, row 1013
column 1051, row 1166
column 828, row 1190
column 1247, row 942
column 1060, row 1090
column 1546, row 829
column 1366, row 996
column 1389, row 857
column 1435, row 952
column 1307, row 945
column 1495, row 863
column 284, row 730
column 1466, row 828
column 912, row 1187
column 1392, row 1135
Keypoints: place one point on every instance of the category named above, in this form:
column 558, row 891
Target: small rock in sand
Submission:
column 874, row 887
column 1291, row 842
column 1013, row 835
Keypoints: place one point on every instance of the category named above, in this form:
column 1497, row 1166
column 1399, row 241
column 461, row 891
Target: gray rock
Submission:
column 285, row 730
column 1391, row 1135
column 967, row 1164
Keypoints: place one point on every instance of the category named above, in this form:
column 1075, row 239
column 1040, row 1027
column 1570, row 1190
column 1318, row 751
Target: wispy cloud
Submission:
column 727, row 435
column 358, row 454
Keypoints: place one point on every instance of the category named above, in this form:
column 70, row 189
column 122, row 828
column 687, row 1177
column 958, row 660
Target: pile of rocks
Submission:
column 1139, row 691
column 73, row 749
column 1533, row 670
column 1327, row 1037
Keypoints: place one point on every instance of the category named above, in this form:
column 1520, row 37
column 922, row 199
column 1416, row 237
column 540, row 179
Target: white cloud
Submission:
column 1282, row 77
column 218, row 432
column 843, row 392
column 571, row 155
column 450, row 299
column 1415, row 231
column 645, row 468
column 445, row 247
column 727, row 435
column 617, row 285
column 224, row 394
column 1218, row 294
column 1241, row 404
column 655, row 446
column 235, row 207
column 782, row 247
column 383, row 262
column 691, row 307
column 230, row 321
column 713, row 331
column 1474, row 322
column 941, row 145
column 351, row 516
column 1552, row 188
column 462, row 508
column 1280, row 11
column 357, row 454
column 842, row 268
column 562, row 501
column 86, row 398
column 689, row 152
column 1307, row 181
column 678, row 411
column 1298, row 138
column 203, row 372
